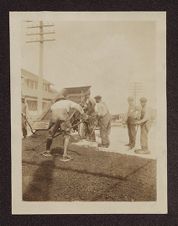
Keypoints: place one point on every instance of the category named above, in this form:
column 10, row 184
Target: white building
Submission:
column 30, row 91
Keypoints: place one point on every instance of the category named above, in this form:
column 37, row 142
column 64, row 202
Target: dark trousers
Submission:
column 24, row 126
column 145, row 127
column 90, row 129
column 132, row 133
column 53, row 128
column 105, row 129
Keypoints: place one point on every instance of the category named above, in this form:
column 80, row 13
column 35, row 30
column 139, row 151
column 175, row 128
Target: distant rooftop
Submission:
column 79, row 89
column 33, row 76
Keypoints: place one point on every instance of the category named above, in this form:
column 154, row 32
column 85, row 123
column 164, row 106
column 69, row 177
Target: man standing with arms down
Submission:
column 132, row 116
column 104, row 119
column 60, row 118
column 145, row 124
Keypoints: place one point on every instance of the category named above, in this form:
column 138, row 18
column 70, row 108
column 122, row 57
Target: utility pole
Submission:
column 136, row 89
column 40, row 33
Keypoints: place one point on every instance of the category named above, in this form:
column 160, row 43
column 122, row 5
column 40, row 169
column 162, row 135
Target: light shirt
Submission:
column 101, row 109
column 90, row 105
column 91, row 100
column 146, row 114
column 60, row 109
column 133, row 112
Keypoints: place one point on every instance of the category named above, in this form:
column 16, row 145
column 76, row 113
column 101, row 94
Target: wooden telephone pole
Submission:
column 135, row 90
column 40, row 37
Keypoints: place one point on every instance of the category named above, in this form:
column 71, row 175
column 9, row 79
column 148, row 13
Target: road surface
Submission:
column 92, row 175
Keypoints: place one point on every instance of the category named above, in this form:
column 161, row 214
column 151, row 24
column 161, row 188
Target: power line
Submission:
column 44, row 40
column 38, row 26
column 44, row 33
column 136, row 88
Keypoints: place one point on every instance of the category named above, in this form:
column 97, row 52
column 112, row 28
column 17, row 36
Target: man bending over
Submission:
column 60, row 118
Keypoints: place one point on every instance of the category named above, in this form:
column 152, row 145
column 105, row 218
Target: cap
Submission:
column 143, row 99
column 60, row 97
column 98, row 97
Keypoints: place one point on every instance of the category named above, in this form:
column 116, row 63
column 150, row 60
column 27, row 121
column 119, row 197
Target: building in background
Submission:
column 30, row 91
column 77, row 94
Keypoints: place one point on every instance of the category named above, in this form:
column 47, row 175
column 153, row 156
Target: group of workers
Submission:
column 138, row 116
column 94, row 113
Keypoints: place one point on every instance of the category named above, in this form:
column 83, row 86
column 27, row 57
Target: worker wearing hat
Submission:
column 145, row 124
column 104, row 121
column 132, row 115
column 60, row 119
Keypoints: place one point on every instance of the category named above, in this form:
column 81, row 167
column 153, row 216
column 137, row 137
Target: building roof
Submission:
column 30, row 75
column 75, row 90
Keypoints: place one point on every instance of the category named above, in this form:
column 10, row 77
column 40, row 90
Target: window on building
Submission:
column 36, row 85
column 45, row 105
column 45, row 87
column 31, row 84
column 27, row 82
column 32, row 105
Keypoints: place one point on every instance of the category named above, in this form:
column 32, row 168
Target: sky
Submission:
column 108, row 55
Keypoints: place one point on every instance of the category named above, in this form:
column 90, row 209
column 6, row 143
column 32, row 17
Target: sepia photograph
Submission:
column 88, row 112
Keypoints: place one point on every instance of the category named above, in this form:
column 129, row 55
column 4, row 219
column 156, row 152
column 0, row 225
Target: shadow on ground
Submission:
column 90, row 176
column 38, row 189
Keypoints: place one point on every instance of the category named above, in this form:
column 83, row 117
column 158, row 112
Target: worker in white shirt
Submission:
column 60, row 118
column 133, row 114
column 104, row 119
column 145, row 124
